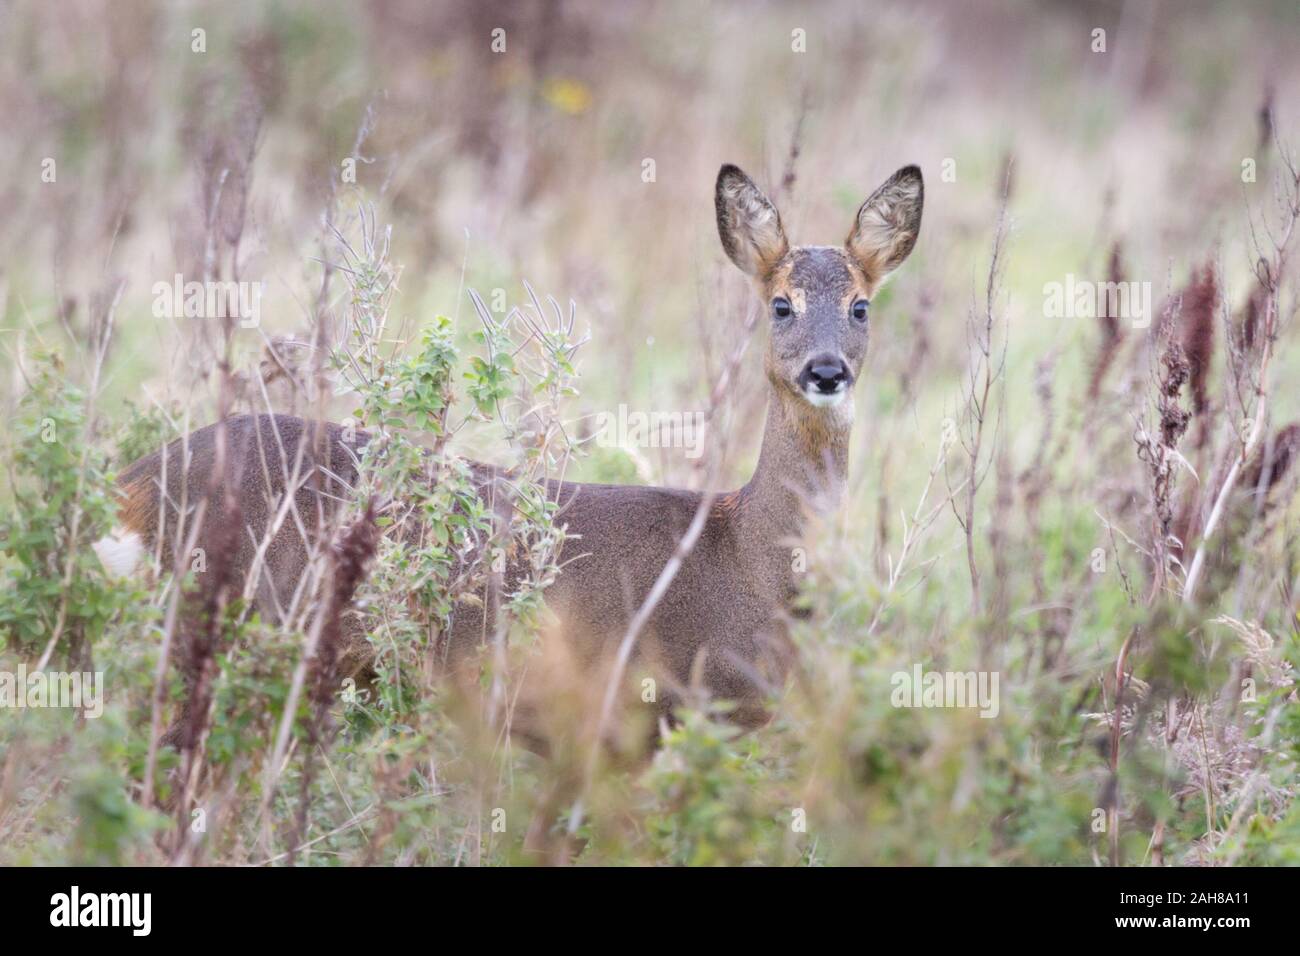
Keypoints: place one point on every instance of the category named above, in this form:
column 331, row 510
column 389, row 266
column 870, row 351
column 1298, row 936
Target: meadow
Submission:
column 476, row 228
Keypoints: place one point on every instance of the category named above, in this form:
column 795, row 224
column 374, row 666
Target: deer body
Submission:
column 721, row 622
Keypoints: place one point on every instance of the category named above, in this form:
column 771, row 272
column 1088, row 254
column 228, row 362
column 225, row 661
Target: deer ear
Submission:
column 748, row 223
column 887, row 224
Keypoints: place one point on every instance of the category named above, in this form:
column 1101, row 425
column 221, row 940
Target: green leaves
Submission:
column 489, row 382
column 63, row 500
column 714, row 804
column 414, row 393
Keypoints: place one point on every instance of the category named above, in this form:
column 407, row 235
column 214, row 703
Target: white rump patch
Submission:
column 119, row 552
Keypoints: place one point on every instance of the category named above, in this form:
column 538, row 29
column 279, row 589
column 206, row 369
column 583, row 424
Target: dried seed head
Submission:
column 1200, row 299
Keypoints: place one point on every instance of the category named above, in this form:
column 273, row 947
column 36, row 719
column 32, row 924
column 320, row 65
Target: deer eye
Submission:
column 860, row 310
column 781, row 307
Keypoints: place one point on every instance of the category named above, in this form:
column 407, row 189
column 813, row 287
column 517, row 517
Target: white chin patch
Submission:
column 822, row 400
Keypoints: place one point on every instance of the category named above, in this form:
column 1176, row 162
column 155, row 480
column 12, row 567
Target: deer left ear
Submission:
column 887, row 224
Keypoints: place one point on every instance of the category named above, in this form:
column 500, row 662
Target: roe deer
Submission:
column 721, row 619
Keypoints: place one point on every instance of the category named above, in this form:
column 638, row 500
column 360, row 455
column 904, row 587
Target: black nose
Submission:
column 825, row 374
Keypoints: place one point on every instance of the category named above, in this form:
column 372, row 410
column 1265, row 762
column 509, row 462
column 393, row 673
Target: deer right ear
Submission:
column 748, row 223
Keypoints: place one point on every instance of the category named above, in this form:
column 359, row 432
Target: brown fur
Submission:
column 721, row 621
column 138, row 498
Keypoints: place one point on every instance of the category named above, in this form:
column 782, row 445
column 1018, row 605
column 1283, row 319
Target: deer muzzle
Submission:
column 825, row 380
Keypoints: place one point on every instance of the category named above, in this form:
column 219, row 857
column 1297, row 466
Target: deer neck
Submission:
column 802, row 469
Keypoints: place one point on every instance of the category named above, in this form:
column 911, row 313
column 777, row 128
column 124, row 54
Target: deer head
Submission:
column 819, row 297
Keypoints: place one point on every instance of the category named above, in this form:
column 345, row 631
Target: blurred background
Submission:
column 530, row 162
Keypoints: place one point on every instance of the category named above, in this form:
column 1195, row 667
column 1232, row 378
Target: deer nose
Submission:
column 825, row 374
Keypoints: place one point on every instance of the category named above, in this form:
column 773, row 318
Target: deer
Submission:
column 721, row 625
